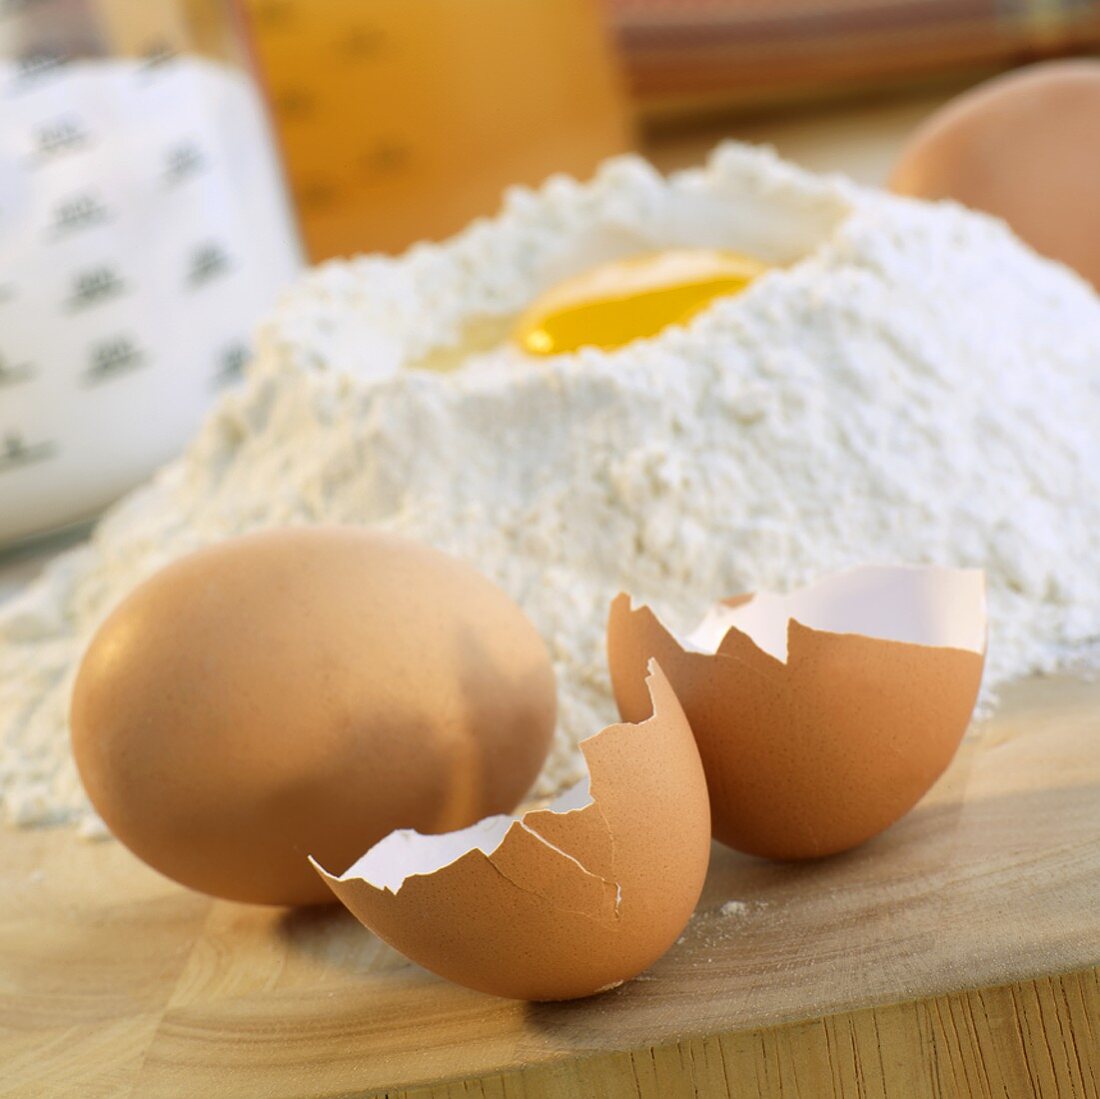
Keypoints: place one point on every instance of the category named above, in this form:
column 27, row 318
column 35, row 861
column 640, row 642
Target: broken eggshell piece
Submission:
column 562, row 902
column 824, row 715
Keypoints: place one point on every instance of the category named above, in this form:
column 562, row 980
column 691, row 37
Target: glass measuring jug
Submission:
column 144, row 230
column 404, row 119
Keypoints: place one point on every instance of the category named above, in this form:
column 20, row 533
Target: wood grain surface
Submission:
column 955, row 955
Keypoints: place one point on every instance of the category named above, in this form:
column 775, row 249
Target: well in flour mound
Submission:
column 912, row 385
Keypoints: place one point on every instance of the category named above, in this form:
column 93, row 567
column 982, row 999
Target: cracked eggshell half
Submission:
column 562, row 902
column 824, row 715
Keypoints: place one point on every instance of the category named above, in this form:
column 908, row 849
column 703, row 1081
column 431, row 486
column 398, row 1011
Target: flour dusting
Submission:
column 910, row 384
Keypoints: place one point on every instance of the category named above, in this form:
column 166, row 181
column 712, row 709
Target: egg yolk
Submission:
column 631, row 299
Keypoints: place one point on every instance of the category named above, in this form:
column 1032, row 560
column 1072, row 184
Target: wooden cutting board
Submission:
column 957, row 955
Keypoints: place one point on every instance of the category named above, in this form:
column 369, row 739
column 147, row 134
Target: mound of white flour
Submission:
column 912, row 385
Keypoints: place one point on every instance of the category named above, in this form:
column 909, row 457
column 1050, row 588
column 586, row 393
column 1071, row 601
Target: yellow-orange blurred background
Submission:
column 404, row 119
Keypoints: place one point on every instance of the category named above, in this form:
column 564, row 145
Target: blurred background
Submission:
column 167, row 167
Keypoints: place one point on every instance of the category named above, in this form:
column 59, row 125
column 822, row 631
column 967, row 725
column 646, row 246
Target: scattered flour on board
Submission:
column 910, row 384
column 734, row 909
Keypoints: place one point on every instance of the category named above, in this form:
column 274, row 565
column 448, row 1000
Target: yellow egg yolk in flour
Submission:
column 631, row 299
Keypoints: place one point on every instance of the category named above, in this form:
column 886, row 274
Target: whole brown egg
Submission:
column 306, row 691
column 1025, row 147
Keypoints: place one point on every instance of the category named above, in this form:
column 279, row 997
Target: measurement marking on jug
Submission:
column 291, row 103
column 231, row 362
column 79, row 212
column 362, row 43
column 95, row 285
column 33, row 65
column 110, row 358
column 12, row 373
column 183, row 161
column 316, row 194
column 157, row 55
column 208, row 261
column 274, row 13
column 16, row 452
column 386, row 157
column 60, row 135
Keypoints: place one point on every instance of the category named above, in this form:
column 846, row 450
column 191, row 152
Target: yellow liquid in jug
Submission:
column 404, row 119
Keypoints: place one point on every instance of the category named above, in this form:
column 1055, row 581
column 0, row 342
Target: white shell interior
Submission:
column 919, row 605
column 406, row 853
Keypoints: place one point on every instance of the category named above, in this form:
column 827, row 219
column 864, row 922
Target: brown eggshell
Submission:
column 306, row 690
column 1025, row 147
column 573, row 901
column 815, row 753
